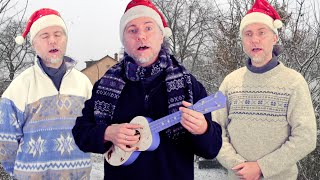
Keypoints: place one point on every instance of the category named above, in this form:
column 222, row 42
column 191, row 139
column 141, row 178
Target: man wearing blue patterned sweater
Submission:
column 269, row 123
column 39, row 108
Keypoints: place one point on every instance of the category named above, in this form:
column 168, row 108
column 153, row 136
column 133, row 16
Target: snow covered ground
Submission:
column 200, row 174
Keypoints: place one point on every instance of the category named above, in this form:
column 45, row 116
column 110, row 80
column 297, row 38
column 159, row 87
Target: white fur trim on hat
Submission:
column 257, row 17
column 44, row 22
column 141, row 11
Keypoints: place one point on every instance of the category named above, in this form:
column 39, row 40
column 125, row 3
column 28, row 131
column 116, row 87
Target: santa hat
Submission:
column 143, row 8
column 262, row 12
column 39, row 20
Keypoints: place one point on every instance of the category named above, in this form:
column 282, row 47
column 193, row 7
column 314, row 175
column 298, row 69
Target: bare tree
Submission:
column 3, row 5
column 13, row 58
column 191, row 22
column 301, row 41
column 228, row 51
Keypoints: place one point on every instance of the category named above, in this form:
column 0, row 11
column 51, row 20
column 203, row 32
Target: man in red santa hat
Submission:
column 39, row 108
column 147, row 82
column 269, row 124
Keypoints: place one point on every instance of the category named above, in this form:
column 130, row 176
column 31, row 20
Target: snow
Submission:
column 199, row 174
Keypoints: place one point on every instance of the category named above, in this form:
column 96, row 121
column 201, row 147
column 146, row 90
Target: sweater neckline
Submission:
column 270, row 65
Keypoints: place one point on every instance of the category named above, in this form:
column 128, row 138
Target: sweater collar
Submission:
column 69, row 63
column 270, row 65
column 54, row 72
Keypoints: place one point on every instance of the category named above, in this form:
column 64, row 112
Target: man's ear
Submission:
column 276, row 38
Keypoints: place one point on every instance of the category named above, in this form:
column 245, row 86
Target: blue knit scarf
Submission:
column 177, row 79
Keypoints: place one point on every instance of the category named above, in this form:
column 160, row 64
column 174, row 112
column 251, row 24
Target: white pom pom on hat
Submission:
column 39, row 20
column 262, row 12
column 167, row 32
column 143, row 8
column 277, row 24
column 19, row 39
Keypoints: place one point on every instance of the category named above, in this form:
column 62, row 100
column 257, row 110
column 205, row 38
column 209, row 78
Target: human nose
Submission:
column 141, row 36
column 52, row 40
column 255, row 38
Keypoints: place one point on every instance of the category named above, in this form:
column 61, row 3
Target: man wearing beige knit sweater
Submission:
column 269, row 123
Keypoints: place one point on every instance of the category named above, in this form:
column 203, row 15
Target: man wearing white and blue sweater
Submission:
column 39, row 108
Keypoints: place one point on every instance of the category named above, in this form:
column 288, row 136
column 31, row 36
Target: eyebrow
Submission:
column 60, row 32
column 249, row 30
column 44, row 34
column 134, row 25
column 149, row 22
column 263, row 28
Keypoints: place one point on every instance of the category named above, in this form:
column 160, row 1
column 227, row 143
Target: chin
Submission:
column 257, row 60
column 144, row 60
column 56, row 61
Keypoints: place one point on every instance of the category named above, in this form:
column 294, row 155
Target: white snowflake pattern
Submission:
column 65, row 144
column 13, row 120
column 36, row 147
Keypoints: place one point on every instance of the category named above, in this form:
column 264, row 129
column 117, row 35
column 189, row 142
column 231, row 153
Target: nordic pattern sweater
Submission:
column 36, row 119
column 269, row 119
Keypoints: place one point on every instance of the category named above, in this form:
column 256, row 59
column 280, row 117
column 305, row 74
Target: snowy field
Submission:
column 199, row 174
column 97, row 171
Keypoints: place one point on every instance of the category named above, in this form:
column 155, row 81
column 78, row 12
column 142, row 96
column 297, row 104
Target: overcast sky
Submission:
column 93, row 26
